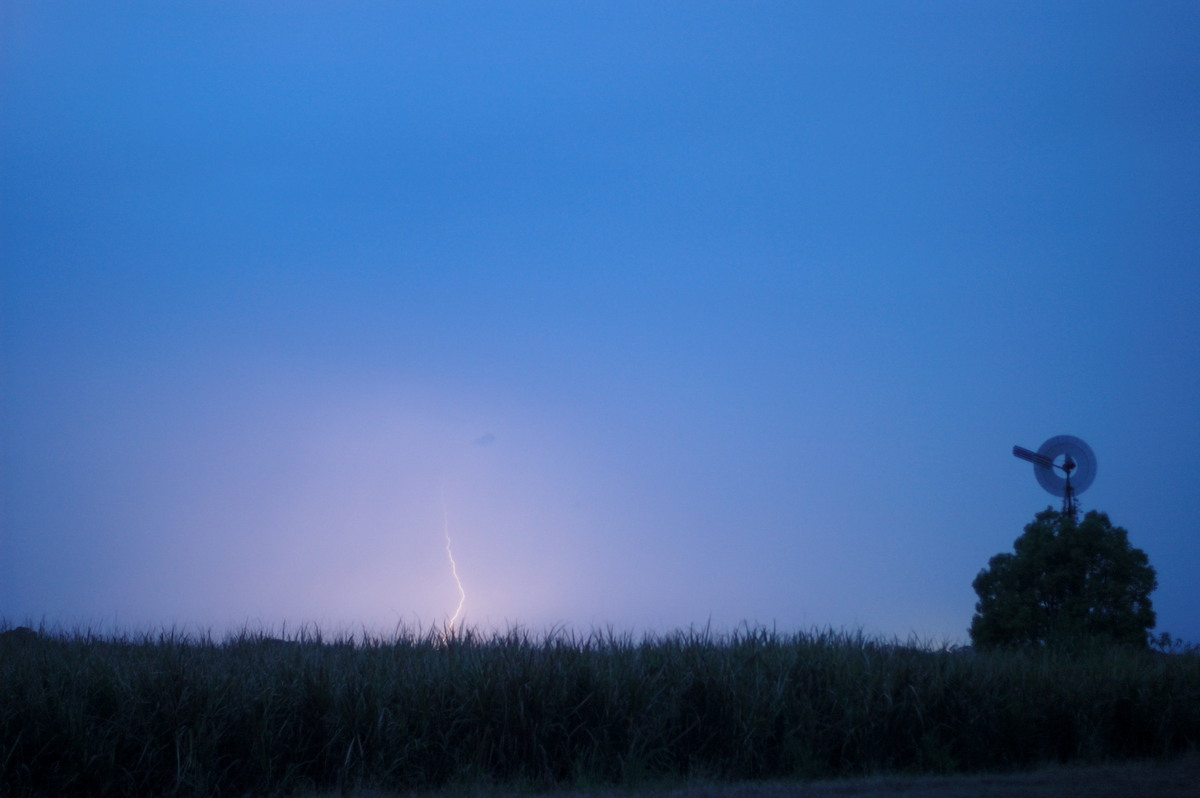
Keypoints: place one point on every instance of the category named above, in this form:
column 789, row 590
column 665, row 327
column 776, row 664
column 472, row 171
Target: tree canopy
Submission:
column 1065, row 581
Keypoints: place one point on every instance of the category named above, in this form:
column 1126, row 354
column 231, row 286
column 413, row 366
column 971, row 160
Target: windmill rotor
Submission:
column 1064, row 466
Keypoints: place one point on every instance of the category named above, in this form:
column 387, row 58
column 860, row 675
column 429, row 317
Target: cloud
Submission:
column 484, row 440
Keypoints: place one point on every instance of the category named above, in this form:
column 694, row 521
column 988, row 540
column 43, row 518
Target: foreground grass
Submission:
column 172, row 714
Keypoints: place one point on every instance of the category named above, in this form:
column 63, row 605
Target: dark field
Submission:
column 171, row 714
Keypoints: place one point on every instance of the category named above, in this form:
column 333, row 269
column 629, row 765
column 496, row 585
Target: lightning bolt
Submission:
column 462, row 594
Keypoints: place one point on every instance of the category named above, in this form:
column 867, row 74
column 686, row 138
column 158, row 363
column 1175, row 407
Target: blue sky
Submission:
column 669, row 313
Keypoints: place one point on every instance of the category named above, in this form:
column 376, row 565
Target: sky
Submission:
column 662, row 315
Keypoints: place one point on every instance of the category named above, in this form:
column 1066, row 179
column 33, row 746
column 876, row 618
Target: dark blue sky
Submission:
column 667, row 312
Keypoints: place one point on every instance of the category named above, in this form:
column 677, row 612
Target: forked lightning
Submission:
column 462, row 594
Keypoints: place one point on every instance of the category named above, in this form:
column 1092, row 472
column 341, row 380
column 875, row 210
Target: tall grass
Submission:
column 172, row 714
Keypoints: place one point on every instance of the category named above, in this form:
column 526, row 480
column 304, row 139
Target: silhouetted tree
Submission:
column 1066, row 581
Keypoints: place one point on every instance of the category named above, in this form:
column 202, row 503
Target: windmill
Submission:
column 1067, row 454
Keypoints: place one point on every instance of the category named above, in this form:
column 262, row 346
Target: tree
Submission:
column 1066, row 581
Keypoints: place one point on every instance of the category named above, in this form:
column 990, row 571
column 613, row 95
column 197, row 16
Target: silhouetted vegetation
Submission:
column 1068, row 583
column 169, row 714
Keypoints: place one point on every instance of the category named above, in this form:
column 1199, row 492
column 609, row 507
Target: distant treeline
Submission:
column 172, row 714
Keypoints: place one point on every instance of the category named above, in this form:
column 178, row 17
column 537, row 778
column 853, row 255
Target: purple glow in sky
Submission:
column 692, row 312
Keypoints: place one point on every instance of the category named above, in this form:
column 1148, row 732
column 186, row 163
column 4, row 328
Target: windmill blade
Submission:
column 1072, row 449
